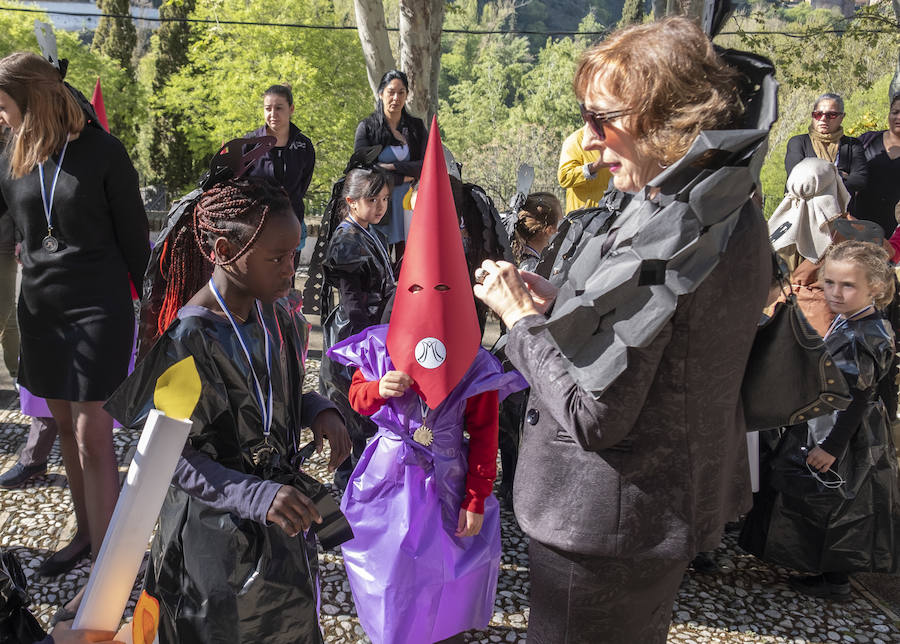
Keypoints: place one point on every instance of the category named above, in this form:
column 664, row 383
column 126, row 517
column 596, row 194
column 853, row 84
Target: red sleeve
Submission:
column 895, row 244
column 363, row 395
column 482, row 416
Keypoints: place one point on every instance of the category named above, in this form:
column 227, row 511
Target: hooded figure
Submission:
column 418, row 570
column 815, row 197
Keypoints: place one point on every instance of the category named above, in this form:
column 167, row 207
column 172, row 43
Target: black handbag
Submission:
column 790, row 377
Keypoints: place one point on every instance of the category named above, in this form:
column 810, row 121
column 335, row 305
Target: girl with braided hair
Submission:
column 234, row 559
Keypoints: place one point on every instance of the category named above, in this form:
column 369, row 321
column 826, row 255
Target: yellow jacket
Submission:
column 581, row 191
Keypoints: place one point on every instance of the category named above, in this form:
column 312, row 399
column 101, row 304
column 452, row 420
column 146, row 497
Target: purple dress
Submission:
column 413, row 581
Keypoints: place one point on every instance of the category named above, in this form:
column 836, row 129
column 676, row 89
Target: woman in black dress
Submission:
column 73, row 194
column 878, row 201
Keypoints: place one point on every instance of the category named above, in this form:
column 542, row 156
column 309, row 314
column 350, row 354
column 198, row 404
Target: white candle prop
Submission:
column 161, row 443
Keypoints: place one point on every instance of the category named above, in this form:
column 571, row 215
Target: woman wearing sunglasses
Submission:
column 633, row 454
column 826, row 140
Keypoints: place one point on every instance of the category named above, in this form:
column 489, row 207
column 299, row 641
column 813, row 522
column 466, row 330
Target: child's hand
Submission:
column 394, row 384
column 820, row 460
column 292, row 512
column 328, row 424
column 469, row 523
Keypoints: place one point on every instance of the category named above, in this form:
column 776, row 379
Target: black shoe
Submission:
column 55, row 564
column 704, row 564
column 20, row 474
column 818, row 586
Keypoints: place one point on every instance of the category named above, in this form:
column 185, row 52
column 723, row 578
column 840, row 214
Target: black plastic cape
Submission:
column 798, row 522
column 16, row 623
column 220, row 578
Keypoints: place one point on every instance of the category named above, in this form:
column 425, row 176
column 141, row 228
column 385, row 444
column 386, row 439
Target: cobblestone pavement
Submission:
column 748, row 602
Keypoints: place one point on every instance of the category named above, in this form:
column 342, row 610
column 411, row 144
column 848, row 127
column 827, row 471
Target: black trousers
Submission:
column 600, row 600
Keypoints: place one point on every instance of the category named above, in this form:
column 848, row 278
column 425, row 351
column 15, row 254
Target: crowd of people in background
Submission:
column 619, row 309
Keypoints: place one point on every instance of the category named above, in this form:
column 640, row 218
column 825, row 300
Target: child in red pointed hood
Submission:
column 424, row 562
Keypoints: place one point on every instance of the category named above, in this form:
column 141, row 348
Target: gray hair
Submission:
column 830, row 97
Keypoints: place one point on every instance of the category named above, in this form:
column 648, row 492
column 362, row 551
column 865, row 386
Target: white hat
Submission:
column 815, row 196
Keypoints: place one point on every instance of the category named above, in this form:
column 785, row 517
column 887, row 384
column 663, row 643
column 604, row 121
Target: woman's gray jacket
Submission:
column 634, row 434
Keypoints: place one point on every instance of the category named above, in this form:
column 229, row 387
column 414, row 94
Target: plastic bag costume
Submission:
column 797, row 521
column 218, row 577
column 434, row 584
column 352, row 253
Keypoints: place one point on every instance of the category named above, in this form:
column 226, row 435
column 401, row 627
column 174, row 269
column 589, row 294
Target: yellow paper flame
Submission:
column 146, row 618
column 178, row 389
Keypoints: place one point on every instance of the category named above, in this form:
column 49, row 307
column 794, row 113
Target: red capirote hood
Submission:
column 434, row 334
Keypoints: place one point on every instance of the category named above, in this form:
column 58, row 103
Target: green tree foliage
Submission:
column 124, row 104
column 219, row 91
column 632, row 13
column 115, row 37
column 163, row 153
column 501, row 105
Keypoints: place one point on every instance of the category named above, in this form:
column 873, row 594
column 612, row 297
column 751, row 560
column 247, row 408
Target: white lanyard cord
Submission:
column 265, row 406
column 840, row 320
column 48, row 206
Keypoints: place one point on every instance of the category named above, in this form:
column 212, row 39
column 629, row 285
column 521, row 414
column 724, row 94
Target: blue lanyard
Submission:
column 840, row 320
column 265, row 406
column 48, row 206
column 377, row 242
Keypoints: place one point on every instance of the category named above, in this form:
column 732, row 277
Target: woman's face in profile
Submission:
column 394, row 96
column 10, row 114
column 631, row 169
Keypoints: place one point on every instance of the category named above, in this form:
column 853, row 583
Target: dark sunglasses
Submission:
column 828, row 115
column 597, row 119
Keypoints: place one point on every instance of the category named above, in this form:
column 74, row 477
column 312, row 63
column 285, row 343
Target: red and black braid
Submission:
column 236, row 210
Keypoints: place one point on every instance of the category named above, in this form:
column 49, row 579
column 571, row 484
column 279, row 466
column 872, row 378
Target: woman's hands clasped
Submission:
column 513, row 294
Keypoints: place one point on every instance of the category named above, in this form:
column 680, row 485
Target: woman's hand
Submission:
column 394, row 384
column 509, row 295
column 820, row 460
column 390, row 167
column 328, row 424
column 292, row 512
column 469, row 523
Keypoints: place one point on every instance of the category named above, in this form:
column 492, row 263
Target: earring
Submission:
column 662, row 165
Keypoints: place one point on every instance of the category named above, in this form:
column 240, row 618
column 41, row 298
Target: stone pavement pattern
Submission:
column 750, row 603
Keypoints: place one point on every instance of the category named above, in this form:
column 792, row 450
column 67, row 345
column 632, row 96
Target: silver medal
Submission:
column 50, row 244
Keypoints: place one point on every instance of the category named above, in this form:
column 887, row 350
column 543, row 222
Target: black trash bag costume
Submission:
column 352, row 258
column 798, row 522
column 16, row 623
column 218, row 577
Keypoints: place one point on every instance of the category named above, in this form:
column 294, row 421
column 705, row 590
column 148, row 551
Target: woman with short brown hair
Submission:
column 633, row 453
column 73, row 194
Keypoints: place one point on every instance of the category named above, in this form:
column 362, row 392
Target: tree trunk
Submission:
column 374, row 38
column 421, row 23
column 895, row 82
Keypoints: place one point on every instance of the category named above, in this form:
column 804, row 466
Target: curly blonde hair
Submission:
column 669, row 75
column 874, row 262
column 49, row 111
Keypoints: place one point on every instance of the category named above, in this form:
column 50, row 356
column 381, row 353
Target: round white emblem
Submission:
column 431, row 353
